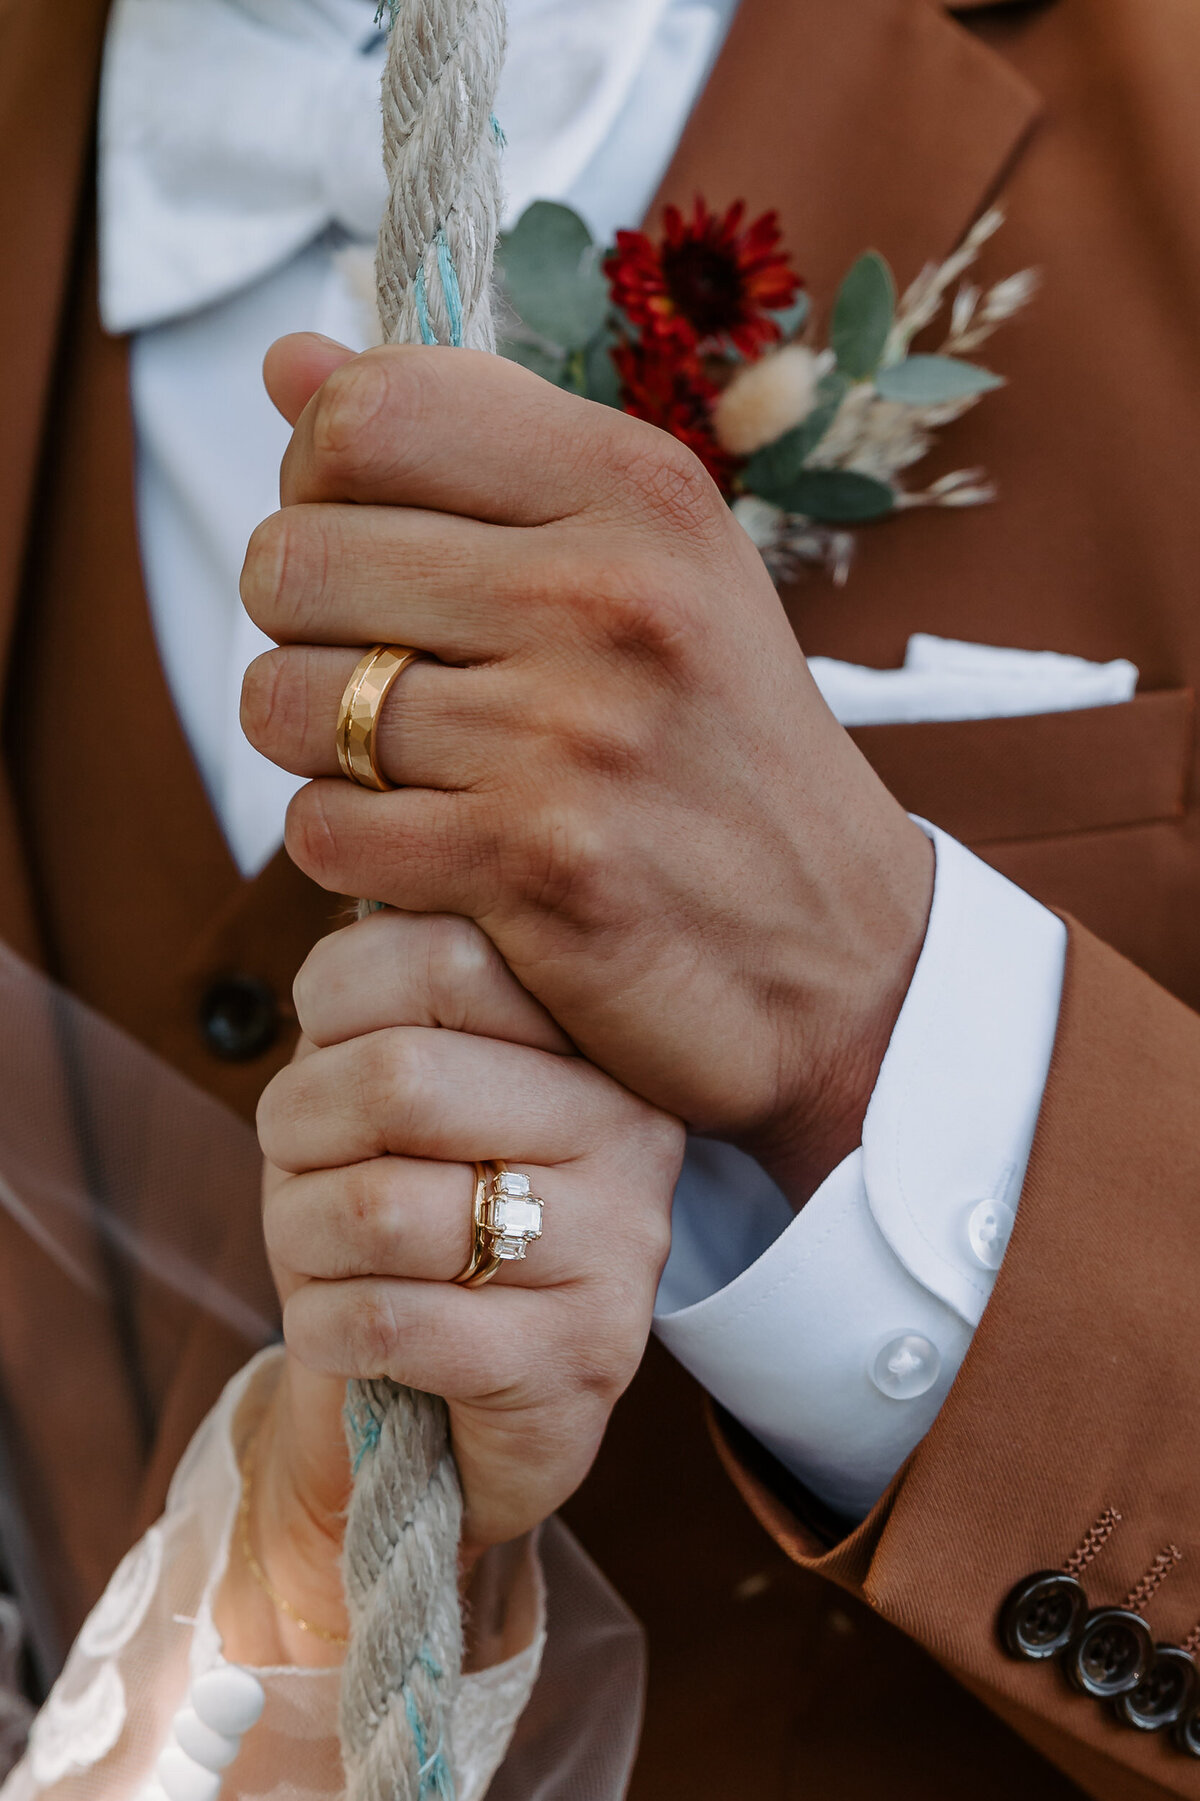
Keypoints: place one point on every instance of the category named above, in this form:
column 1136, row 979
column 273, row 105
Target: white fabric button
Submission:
column 906, row 1367
column 212, row 1750
column 229, row 1699
column 989, row 1230
column 186, row 1780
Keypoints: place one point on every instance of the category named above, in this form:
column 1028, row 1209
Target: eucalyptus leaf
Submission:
column 601, row 381
column 834, row 496
column 551, row 273
column 862, row 316
column 772, row 470
column 931, row 380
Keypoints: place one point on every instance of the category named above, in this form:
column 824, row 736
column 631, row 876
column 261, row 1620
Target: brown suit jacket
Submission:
column 779, row 1667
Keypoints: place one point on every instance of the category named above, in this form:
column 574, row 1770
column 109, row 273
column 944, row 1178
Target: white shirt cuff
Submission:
column 834, row 1335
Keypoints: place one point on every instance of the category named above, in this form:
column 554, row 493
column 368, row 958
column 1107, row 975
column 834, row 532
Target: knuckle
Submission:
column 375, row 1333
column 458, row 958
column 603, row 1364
column 287, row 570
column 663, row 1136
column 307, row 989
column 268, row 713
column 282, row 1106
column 370, row 1215
column 264, row 568
column 561, row 863
column 387, row 1073
column 321, row 986
column 648, row 610
column 675, row 490
column 278, row 1226
column 605, row 738
column 650, row 1231
column 309, row 834
column 345, row 416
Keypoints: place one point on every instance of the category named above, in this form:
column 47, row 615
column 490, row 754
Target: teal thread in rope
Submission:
column 451, row 291
column 450, row 288
column 363, row 1429
column 433, row 1773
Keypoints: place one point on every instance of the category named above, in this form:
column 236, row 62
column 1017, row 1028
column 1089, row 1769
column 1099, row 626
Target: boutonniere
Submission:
column 708, row 332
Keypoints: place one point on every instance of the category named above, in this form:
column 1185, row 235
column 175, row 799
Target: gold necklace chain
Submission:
column 260, row 1575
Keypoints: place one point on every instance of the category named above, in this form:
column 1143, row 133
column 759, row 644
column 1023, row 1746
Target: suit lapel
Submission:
column 877, row 123
column 864, row 121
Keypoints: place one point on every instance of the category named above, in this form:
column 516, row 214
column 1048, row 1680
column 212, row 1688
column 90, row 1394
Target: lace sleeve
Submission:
column 146, row 1649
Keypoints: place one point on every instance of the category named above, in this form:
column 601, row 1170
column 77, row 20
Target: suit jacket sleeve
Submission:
column 1078, row 1395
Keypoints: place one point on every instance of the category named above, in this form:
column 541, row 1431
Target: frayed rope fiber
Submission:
column 441, row 148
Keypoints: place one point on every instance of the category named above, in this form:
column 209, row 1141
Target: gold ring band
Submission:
column 358, row 714
column 505, row 1219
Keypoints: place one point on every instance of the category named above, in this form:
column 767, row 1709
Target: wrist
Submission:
column 834, row 1044
column 503, row 1603
column 281, row 1602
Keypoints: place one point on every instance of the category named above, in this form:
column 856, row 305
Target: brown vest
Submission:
column 885, row 122
column 140, row 908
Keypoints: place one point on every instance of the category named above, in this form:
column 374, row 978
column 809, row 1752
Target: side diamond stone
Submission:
column 507, row 1181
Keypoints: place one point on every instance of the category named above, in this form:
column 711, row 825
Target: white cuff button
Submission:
column 989, row 1230
column 906, row 1367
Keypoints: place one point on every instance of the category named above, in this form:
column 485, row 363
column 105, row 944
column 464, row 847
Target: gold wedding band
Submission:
column 506, row 1217
column 358, row 714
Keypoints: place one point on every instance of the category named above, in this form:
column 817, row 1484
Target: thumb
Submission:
column 294, row 368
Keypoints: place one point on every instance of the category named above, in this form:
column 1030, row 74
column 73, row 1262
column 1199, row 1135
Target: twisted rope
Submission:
column 441, row 148
column 403, row 1664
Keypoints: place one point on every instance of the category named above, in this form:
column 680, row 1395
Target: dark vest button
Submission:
column 1185, row 1734
column 239, row 1017
column 1041, row 1615
column 1165, row 1693
column 1110, row 1654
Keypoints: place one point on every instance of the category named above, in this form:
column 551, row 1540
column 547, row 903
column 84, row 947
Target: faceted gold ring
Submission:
column 506, row 1219
column 358, row 714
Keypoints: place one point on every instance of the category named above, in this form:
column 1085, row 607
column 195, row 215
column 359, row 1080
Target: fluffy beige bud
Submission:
column 767, row 398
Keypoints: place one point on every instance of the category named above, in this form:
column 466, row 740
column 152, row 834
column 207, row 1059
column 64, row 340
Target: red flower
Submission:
column 673, row 392
column 707, row 281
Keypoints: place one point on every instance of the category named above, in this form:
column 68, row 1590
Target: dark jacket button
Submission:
column 1041, row 1614
column 239, row 1017
column 1185, row 1734
column 1110, row 1654
column 1164, row 1694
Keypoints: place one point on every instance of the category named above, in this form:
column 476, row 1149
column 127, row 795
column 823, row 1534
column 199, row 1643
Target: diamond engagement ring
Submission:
column 506, row 1218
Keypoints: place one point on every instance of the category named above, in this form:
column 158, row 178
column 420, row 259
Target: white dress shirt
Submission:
column 238, row 159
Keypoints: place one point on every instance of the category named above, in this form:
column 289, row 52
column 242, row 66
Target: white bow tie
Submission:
column 233, row 132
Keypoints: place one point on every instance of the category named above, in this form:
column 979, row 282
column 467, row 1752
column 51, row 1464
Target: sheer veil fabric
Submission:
column 114, row 1276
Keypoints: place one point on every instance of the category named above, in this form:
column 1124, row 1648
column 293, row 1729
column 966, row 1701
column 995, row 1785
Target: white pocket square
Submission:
column 944, row 678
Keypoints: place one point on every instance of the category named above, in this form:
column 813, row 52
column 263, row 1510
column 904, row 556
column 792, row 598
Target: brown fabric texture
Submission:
column 777, row 1670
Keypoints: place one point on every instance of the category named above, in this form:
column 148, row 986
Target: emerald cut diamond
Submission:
column 512, row 1214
